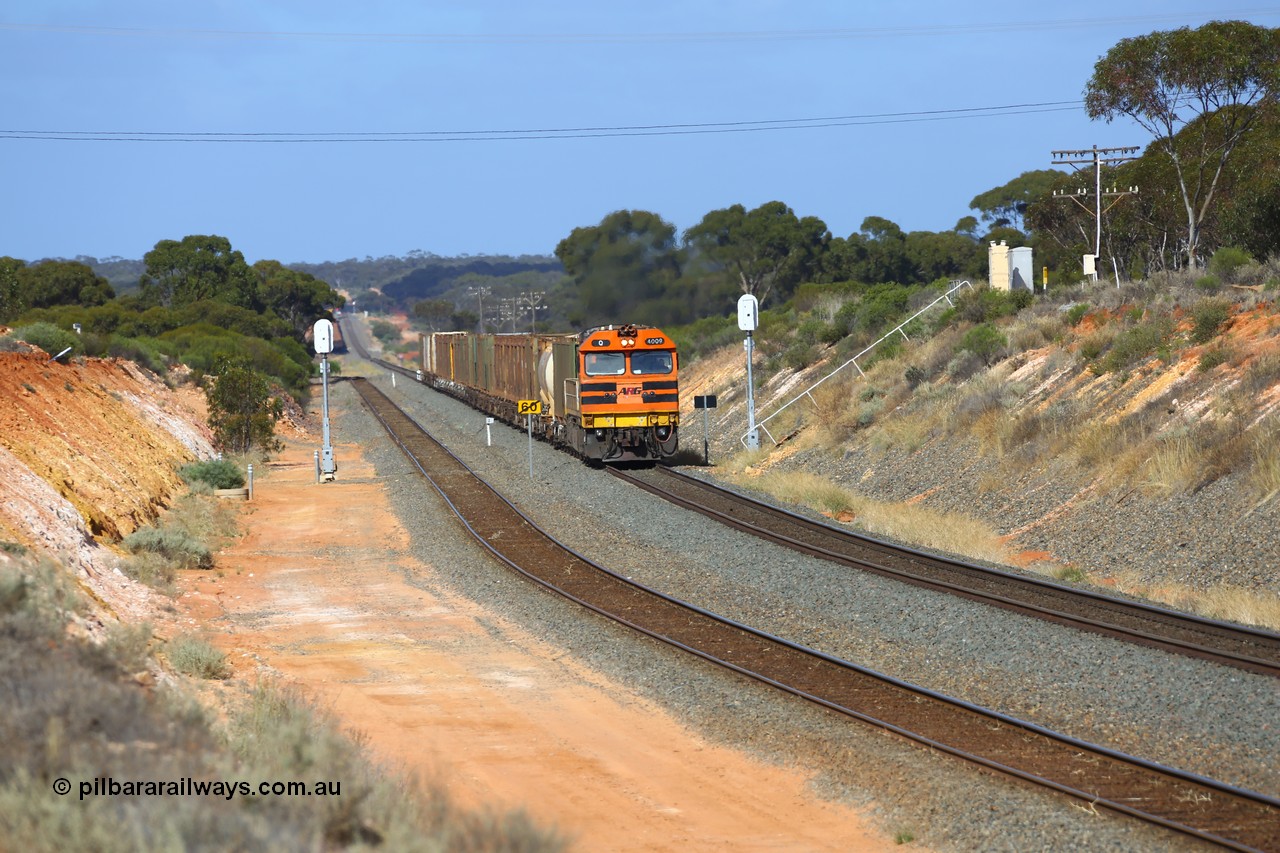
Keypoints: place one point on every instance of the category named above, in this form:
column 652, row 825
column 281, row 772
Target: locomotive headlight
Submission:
column 663, row 432
column 600, row 434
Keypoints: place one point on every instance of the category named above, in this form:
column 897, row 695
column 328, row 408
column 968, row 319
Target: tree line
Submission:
column 1208, row 179
column 241, row 329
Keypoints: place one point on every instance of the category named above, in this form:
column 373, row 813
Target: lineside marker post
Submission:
column 705, row 402
column 529, row 408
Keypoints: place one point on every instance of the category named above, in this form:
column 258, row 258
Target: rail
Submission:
column 808, row 392
column 1198, row 806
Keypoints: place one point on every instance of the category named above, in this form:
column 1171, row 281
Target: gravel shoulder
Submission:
column 1206, row 719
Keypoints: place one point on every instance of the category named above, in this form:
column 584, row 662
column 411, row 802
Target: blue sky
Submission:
column 472, row 115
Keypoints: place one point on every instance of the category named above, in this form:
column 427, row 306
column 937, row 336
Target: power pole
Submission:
column 533, row 301
column 1096, row 157
column 507, row 311
column 479, row 293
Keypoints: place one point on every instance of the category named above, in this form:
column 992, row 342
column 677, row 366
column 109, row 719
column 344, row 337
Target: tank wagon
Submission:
column 610, row 394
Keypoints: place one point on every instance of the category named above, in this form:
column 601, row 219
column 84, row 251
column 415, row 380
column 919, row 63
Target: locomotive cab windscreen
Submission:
column 604, row 363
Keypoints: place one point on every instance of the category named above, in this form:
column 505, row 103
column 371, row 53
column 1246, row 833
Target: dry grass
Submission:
column 1063, row 422
column 75, row 710
column 1229, row 603
column 744, row 460
column 1264, row 468
column 185, row 537
column 1188, row 462
column 994, row 429
column 907, row 433
column 1114, row 451
column 917, row 525
column 1175, row 466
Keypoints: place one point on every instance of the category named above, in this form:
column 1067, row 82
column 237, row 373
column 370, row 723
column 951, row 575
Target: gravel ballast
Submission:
column 1206, row 719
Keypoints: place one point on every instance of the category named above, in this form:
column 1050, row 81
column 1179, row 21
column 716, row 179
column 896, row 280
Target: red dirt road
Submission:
column 447, row 691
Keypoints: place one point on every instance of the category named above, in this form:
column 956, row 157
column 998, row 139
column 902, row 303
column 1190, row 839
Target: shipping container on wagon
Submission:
column 447, row 356
column 515, row 367
column 436, row 353
column 481, row 363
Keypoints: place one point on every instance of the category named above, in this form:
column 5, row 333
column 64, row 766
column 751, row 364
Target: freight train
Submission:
column 609, row 394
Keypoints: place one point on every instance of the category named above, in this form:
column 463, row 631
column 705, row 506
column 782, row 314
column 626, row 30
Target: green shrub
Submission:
column 799, row 355
column 867, row 411
column 177, row 546
column 945, row 318
column 385, row 332
column 129, row 645
column 1227, row 260
column 50, row 338
column 1208, row 283
column 982, row 304
column 810, row 331
column 218, row 473
column 1211, row 358
column 964, row 365
column 144, row 351
column 155, row 570
column 1076, row 313
column 1136, row 343
column 197, row 657
column 1209, row 316
column 1020, row 299
column 984, row 341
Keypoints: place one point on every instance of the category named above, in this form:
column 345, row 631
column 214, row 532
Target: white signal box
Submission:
column 322, row 336
column 748, row 313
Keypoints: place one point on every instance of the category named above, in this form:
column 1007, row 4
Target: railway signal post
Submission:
column 323, row 339
column 748, row 319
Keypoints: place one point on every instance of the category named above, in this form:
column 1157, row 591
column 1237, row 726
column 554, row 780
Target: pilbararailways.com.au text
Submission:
column 189, row 787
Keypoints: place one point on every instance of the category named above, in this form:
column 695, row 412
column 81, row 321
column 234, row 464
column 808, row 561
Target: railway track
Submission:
column 1250, row 649
column 1191, row 804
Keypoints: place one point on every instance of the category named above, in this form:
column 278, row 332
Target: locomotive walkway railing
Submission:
column 897, row 330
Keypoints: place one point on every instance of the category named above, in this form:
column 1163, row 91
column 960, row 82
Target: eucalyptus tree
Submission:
column 1215, row 81
column 766, row 251
column 48, row 284
column 12, row 300
column 197, row 267
column 622, row 267
column 1007, row 204
column 297, row 297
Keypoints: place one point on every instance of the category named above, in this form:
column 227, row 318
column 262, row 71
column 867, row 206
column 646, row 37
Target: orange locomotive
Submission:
column 610, row 394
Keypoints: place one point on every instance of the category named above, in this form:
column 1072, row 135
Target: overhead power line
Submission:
column 816, row 34
column 674, row 129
